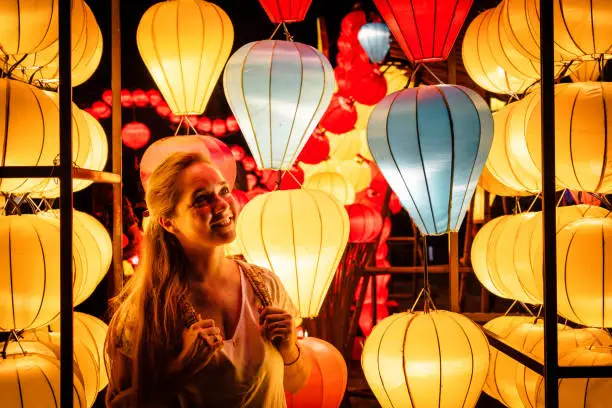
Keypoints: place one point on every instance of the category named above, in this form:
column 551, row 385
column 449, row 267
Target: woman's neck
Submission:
column 208, row 265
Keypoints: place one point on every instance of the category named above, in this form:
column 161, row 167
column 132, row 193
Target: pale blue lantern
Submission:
column 431, row 144
column 375, row 38
column 278, row 92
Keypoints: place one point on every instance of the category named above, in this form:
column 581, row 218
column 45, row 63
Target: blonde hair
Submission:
column 148, row 318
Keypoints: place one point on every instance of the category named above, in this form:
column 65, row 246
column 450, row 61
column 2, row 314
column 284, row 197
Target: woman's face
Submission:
column 206, row 212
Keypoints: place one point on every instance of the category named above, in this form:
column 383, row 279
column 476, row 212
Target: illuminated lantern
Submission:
column 342, row 81
column 286, row 11
column 219, row 128
column 86, row 53
column 140, row 98
column 329, row 165
column 583, row 113
column 316, row 148
column 490, row 183
column 185, row 44
column 356, row 172
column 126, row 98
column 154, row 97
column 586, row 71
column 397, row 78
column 426, row 31
column 238, row 152
column 278, row 91
column 32, row 379
column 375, row 38
column 328, row 377
column 346, row 146
column 363, row 115
column 204, row 124
column 107, row 97
column 340, row 116
column 368, row 89
column 101, row 110
column 479, row 60
column 431, row 144
column 279, row 231
column 232, row 124
column 426, row 360
column 351, row 23
column 222, row 157
column 135, row 135
column 248, row 162
column 334, row 184
column 366, row 223
column 479, row 204
column 365, row 318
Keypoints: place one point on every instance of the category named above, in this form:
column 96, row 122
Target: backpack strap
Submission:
column 255, row 276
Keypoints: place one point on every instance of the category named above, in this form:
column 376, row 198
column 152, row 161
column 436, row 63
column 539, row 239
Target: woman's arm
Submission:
column 297, row 368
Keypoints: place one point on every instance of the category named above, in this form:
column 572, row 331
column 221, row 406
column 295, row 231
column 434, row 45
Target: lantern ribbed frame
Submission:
column 332, row 183
column 287, row 11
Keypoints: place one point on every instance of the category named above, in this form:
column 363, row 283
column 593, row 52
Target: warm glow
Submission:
column 185, row 44
column 332, row 183
column 426, row 359
column 300, row 235
column 357, row 172
column 346, row 146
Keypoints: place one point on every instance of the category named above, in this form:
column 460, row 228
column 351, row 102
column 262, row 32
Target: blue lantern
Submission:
column 431, row 144
column 375, row 38
column 278, row 92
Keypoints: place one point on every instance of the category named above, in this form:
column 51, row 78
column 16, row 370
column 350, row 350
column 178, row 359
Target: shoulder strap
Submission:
column 255, row 277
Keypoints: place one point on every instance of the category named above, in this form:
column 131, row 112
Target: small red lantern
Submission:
column 352, row 22
column 219, row 128
column 107, row 96
column 342, row 80
column 91, row 112
column 126, row 98
column 355, row 63
column 328, row 377
column 204, row 125
column 365, row 319
column 140, row 98
column 340, row 116
column 101, row 110
column 174, row 118
column 163, row 109
column 241, row 198
column 135, row 135
column 237, row 152
column 251, row 181
column 154, row 97
column 366, row 223
column 368, row 89
column 316, row 149
column 288, row 11
column 248, row 162
column 232, row 124
column 425, row 30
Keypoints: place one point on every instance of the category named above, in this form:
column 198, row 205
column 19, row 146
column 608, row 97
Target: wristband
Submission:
column 297, row 358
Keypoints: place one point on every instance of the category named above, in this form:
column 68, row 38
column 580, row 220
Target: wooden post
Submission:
column 453, row 270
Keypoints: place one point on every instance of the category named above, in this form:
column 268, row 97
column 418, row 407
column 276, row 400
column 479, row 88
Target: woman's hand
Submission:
column 200, row 343
column 277, row 326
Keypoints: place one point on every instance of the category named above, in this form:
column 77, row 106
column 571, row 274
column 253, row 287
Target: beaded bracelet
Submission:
column 297, row 358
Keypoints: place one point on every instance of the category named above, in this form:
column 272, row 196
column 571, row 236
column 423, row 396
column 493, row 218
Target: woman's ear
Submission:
column 167, row 224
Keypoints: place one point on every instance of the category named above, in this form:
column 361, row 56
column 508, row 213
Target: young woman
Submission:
column 194, row 328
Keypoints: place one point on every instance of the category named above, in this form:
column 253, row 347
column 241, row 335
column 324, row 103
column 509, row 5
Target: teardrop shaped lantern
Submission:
column 425, row 30
column 299, row 235
column 286, row 11
column 375, row 38
column 185, row 44
column 431, row 144
column 278, row 92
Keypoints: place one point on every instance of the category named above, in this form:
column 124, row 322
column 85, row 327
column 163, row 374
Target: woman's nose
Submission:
column 219, row 204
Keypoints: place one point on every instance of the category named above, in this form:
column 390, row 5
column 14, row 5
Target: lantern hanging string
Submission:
column 288, row 35
column 178, row 127
column 12, row 334
column 534, row 201
column 414, row 72
column 432, row 74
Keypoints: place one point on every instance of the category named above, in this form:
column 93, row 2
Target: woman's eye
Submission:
column 225, row 190
column 200, row 200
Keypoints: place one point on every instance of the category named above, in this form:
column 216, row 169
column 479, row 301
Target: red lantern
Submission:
column 124, row 241
column 204, row 124
column 342, row 80
column 101, row 110
column 163, row 109
column 328, row 377
column 352, row 22
column 385, row 233
column 368, row 89
column 425, row 30
column 395, row 205
column 251, row 181
column 154, row 97
column 135, row 135
column 140, row 98
column 382, row 251
column 366, row 223
column 174, row 118
column 241, row 198
column 91, row 112
column 316, row 149
column 232, row 124
column 346, row 44
column 292, row 179
column 288, row 11
column 126, row 98
column 107, row 96
column 237, row 152
column 382, row 290
column 340, row 116
column 355, row 63
column 248, row 163
column 219, row 128
column 365, row 319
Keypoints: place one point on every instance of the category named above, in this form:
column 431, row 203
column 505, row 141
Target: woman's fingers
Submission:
column 203, row 324
column 283, row 324
column 279, row 333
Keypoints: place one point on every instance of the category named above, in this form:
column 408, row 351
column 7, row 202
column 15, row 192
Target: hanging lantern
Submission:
column 425, row 360
column 494, row 186
column 329, row 165
column 219, row 127
column 154, row 97
column 140, row 98
column 346, row 146
column 340, row 116
column 586, row 71
column 583, row 113
column 453, row 137
column 356, row 172
column 204, row 124
column 375, row 38
column 334, row 184
column 328, row 377
column 238, row 152
column 426, row 31
column 366, row 223
column 232, row 124
column 135, row 135
column 478, row 215
column 370, row 88
column 316, row 148
column 286, row 11
column 278, row 91
column 397, row 78
column 127, row 100
column 279, row 230
column 185, row 44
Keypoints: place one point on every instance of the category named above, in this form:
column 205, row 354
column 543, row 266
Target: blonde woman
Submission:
column 194, row 328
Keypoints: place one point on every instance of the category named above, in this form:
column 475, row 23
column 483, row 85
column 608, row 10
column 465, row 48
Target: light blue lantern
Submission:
column 278, row 92
column 375, row 38
column 431, row 144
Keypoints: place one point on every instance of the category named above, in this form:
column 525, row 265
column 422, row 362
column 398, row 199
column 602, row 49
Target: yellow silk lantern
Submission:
column 397, row 78
column 185, row 44
column 583, row 122
column 356, row 172
column 479, row 204
column 363, row 114
column 329, row 165
column 334, row 184
column 299, row 235
column 586, row 71
column 347, row 145
column 425, row 360
column 490, row 183
column 43, row 66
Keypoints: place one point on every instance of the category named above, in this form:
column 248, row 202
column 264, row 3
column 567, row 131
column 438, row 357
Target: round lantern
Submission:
column 346, row 146
column 426, row 359
column 426, row 31
column 329, row 165
column 101, row 110
column 154, row 97
column 583, row 113
column 286, row 11
column 356, row 172
column 334, row 184
column 586, row 71
column 448, row 128
column 231, row 124
column 490, row 183
column 328, row 377
column 135, row 135
column 204, row 124
column 140, row 98
column 219, row 127
column 366, row 223
column 278, row 91
column 185, row 44
column 299, row 235
column 397, row 78
column 316, row 148
column 368, row 89
column 340, row 116
column 375, row 38
column 86, row 53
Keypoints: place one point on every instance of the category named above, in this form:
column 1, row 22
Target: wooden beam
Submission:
column 453, row 260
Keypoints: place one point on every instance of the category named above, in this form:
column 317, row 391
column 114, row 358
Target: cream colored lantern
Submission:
column 357, row 172
column 329, row 165
column 185, row 44
column 346, row 146
column 586, row 71
column 426, row 360
column 334, row 184
column 300, row 235
column 493, row 185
